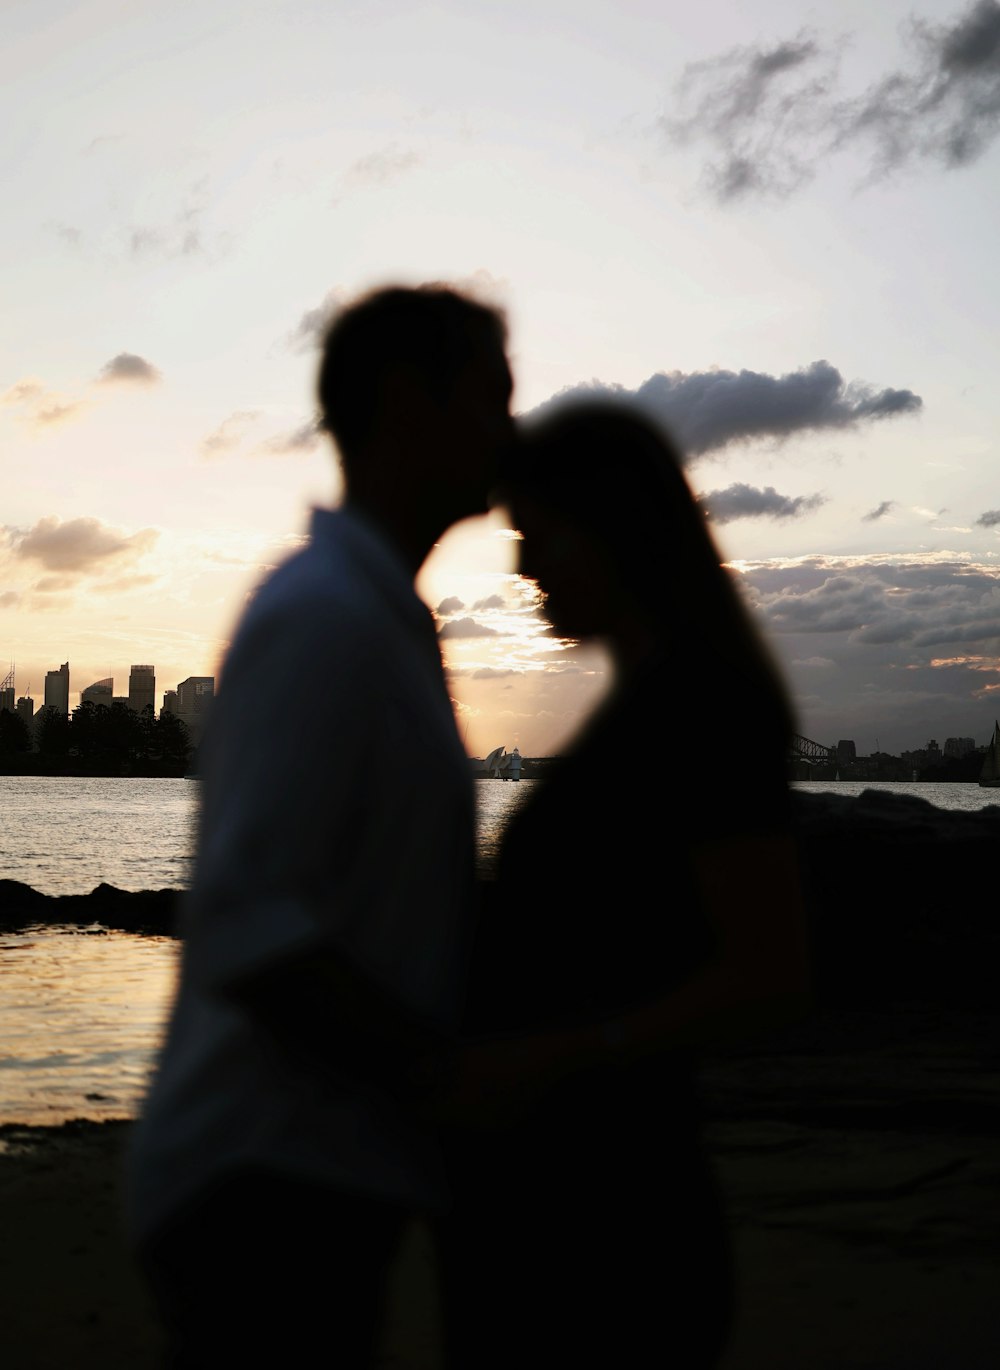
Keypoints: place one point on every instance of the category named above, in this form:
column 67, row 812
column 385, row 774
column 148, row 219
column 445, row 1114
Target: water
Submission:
column 68, row 834
column 82, row 1009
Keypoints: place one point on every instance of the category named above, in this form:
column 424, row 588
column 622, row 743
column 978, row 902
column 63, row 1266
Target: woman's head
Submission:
column 616, row 540
column 600, row 497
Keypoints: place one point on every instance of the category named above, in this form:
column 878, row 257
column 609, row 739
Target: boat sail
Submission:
column 990, row 774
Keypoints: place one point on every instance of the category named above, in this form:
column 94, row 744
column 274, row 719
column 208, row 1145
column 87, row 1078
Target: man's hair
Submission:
column 429, row 331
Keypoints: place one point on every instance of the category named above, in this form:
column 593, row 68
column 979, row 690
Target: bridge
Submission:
column 804, row 749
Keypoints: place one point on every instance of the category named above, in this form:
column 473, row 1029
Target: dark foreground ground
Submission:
column 860, row 1164
column 859, row 1151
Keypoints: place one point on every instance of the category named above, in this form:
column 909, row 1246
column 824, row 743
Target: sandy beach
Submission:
column 858, row 1154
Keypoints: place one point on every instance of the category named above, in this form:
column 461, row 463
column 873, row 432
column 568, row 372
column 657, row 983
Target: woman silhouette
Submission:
column 646, row 907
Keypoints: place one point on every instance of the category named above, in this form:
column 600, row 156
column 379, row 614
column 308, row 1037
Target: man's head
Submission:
column 414, row 386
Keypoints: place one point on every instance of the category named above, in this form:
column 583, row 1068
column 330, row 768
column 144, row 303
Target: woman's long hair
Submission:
column 604, row 465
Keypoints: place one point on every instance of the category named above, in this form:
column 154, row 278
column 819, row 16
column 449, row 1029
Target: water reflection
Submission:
column 82, row 1009
column 81, row 1014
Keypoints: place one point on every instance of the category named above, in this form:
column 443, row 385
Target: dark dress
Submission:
column 590, row 1232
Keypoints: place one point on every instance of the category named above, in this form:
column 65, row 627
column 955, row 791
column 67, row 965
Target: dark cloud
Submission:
column 880, row 512
column 80, row 544
column 490, row 602
column 945, row 107
column 759, row 107
column 910, row 647
column 451, row 605
column 740, row 501
column 130, row 369
column 465, row 627
column 773, row 115
column 988, row 520
column 708, row 410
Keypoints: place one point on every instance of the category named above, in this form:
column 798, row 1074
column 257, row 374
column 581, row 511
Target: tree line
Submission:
column 95, row 740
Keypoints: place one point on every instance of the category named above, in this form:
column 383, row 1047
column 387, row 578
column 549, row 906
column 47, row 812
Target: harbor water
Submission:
column 82, row 1008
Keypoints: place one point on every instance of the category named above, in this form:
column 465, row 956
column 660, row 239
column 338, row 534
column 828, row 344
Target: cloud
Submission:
column 129, row 369
column 304, row 438
column 118, row 584
column 81, row 544
column 707, row 410
column 771, row 116
column 945, row 108
column 890, row 626
column 988, row 520
column 379, row 168
column 178, row 230
column 494, row 673
column 465, row 627
column 230, row 432
column 310, row 331
column 54, row 412
column 880, row 512
column 27, row 391
column 41, row 408
column 9, row 598
column 760, row 108
column 451, row 605
column 740, row 501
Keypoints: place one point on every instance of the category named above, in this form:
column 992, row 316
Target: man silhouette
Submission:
column 282, row 1144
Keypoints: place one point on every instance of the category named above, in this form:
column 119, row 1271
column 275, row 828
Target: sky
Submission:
column 773, row 226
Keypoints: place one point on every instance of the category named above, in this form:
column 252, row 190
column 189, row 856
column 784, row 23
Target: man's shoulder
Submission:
column 326, row 566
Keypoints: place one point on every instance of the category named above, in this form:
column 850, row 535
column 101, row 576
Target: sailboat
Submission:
column 990, row 774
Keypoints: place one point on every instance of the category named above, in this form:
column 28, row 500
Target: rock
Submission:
column 899, row 900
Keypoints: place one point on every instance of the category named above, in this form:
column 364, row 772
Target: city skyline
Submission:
column 770, row 227
column 952, row 745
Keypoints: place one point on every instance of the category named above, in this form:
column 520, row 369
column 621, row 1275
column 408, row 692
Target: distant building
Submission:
column 169, row 702
column 57, row 690
column 194, row 699
column 959, row 746
column 142, row 688
column 846, row 752
column 101, row 692
column 7, row 699
column 26, row 707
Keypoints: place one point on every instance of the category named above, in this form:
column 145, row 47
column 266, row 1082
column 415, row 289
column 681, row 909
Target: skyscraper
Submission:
column 141, row 688
column 57, row 690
